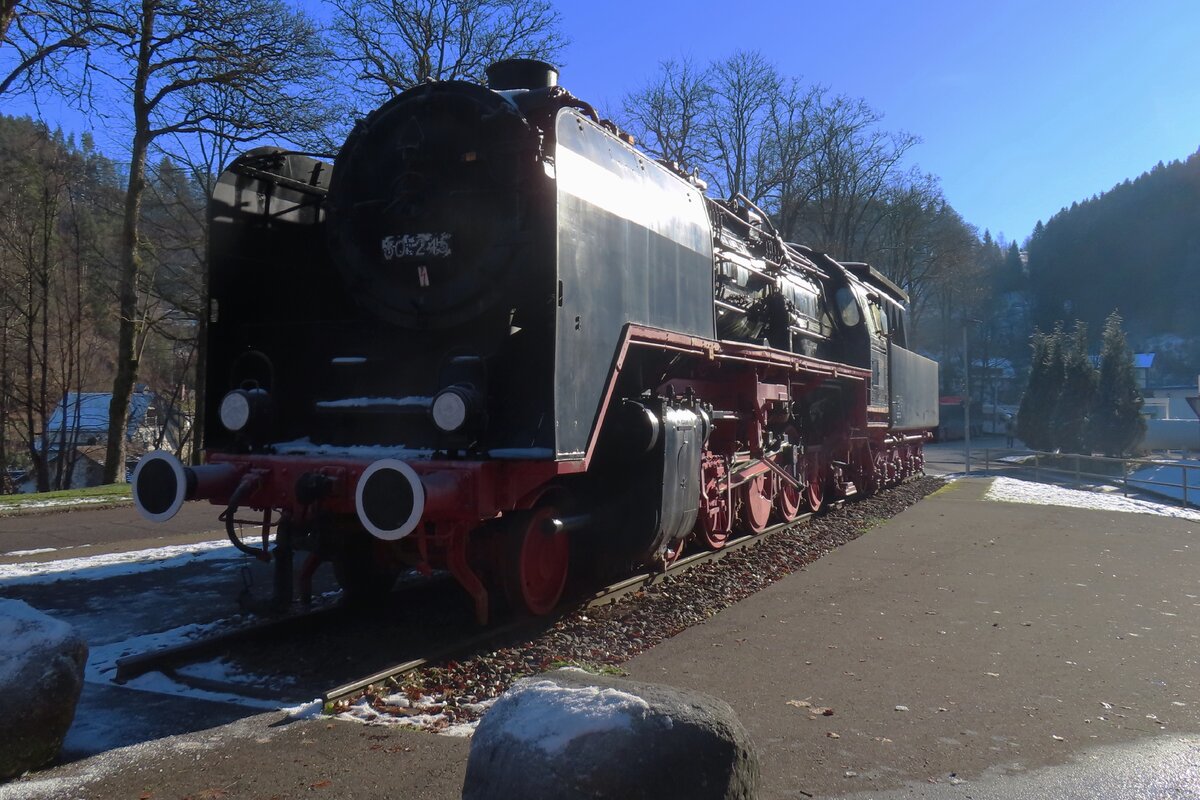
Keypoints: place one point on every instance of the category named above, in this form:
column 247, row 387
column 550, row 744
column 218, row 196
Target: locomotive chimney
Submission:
column 521, row 73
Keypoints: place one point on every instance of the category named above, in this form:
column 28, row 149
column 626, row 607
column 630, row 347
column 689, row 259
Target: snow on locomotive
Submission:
column 495, row 338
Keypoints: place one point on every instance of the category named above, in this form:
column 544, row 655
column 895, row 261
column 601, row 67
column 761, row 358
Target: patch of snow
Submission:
column 521, row 452
column 109, row 565
column 34, row 552
column 550, row 717
column 427, row 714
column 310, row 710
column 220, row 670
column 1011, row 490
column 160, row 684
column 102, row 658
column 24, row 629
column 306, row 447
column 377, row 402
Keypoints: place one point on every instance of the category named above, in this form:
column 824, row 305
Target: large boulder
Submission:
column 41, row 676
column 570, row 734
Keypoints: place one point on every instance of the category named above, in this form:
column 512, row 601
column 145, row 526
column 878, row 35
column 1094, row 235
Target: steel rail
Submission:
column 166, row 658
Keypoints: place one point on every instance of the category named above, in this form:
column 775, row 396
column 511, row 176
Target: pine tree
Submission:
column 1033, row 418
column 1116, row 425
column 1069, row 422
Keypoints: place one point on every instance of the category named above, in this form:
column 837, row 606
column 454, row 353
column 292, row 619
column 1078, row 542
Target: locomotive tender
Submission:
column 495, row 338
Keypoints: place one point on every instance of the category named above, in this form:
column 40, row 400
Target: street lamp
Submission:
column 967, row 392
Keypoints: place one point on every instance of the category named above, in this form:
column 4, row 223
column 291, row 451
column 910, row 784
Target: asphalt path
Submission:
column 967, row 648
column 100, row 531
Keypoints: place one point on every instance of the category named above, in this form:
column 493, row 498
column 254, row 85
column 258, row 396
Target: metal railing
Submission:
column 1071, row 466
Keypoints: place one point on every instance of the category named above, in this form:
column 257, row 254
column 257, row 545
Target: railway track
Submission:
column 172, row 661
column 605, row 596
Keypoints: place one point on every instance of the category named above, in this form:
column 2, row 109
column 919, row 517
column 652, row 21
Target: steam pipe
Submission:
column 246, row 487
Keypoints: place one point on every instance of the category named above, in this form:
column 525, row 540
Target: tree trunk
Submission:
column 130, row 323
column 131, row 262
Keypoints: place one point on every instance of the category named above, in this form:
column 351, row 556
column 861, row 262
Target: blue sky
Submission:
column 1023, row 107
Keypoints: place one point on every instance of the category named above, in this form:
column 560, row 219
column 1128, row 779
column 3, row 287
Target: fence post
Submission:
column 1037, row 475
column 1184, row 470
column 1125, row 477
column 987, row 459
column 1077, row 470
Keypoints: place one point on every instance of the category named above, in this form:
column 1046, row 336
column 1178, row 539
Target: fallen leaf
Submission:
column 992, row 674
column 833, row 735
column 799, row 703
column 1057, row 738
column 902, row 708
column 320, row 784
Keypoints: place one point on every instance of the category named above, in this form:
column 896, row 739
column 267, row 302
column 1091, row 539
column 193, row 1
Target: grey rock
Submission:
column 41, row 675
column 571, row 735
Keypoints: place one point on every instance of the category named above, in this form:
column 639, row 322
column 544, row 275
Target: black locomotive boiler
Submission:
column 495, row 338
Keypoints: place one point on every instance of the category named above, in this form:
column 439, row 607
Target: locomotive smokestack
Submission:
column 521, row 73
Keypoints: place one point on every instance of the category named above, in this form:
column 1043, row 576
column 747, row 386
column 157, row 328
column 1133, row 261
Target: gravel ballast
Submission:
column 452, row 697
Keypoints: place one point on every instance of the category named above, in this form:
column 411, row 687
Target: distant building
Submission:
column 1142, row 362
column 77, row 434
column 1169, row 402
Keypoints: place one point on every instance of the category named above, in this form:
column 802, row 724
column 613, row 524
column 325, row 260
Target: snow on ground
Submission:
column 65, row 502
column 1011, row 490
column 425, row 713
column 111, row 565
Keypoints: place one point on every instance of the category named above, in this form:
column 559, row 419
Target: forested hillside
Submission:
column 60, row 219
column 1136, row 249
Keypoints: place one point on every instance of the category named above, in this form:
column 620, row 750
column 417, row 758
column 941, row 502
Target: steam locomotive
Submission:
column 495, row 338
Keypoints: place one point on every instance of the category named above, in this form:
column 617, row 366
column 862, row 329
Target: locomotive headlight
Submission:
column 454, row 407
column 235, row 411
column 244, row 409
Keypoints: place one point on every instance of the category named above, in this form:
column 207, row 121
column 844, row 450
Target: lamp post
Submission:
column 967, row 392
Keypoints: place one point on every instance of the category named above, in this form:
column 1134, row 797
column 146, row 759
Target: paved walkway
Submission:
column 964, row 640
column 103, row 530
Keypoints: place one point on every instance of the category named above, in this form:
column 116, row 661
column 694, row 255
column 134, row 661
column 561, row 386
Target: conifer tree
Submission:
column 1034, row 413
column 1116, row 426
column 1069, row 422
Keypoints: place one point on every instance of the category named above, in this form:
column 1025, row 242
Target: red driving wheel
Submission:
column 537, row 561
column 788, row 500
column 757, row 496
column 815, row 472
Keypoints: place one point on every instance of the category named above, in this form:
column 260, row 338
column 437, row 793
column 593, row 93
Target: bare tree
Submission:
column 156, row 59
column 853, row 162
column 744, row 89
column 788, row 146
column 37, row 37
column 668, row 114
column 394, row 44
